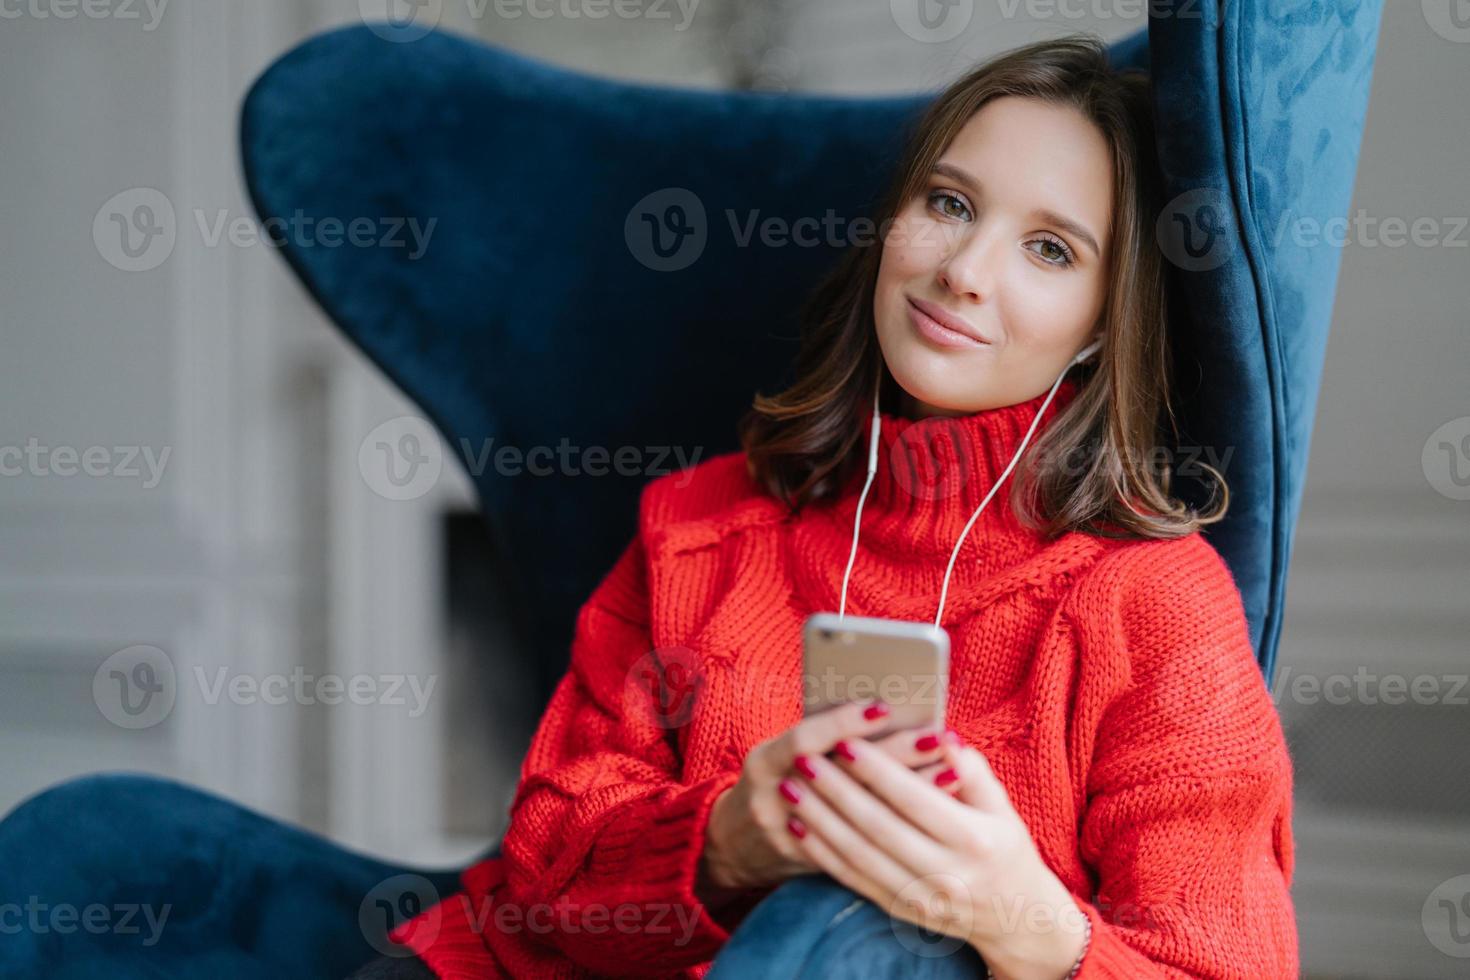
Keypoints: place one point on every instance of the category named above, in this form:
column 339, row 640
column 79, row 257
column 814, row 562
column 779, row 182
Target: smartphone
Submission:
column 902, row 663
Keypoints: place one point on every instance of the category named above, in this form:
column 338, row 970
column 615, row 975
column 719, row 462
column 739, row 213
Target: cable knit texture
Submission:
column 1110, row 683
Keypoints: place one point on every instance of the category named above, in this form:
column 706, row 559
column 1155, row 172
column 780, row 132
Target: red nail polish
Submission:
column 927, row 743
column 946, row 777
column 789, row 791
column 844, row 750
column 805, row 767
column 875, row 710
column 796, row 827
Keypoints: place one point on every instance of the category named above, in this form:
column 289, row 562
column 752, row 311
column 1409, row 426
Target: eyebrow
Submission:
column 1045, row 214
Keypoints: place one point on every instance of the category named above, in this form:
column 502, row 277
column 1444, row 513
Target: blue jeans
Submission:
column 129, row 877
column 814, row 926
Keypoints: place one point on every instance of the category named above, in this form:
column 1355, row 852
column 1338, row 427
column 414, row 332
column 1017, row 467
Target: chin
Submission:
column 938, row 380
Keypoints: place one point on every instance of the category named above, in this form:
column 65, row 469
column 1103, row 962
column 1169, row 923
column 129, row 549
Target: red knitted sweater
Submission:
column 1110, row 683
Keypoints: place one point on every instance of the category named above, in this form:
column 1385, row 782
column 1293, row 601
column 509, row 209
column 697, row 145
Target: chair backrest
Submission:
column 596, row 275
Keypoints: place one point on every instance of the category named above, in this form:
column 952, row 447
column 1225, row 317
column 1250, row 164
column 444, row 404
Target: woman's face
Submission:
column 1007, row 241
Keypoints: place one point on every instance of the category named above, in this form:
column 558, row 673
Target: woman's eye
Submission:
column 941, row 201
column 1060, row 254
column 1053, row 250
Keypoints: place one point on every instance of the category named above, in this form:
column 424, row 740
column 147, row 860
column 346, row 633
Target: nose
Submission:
column 968, row 271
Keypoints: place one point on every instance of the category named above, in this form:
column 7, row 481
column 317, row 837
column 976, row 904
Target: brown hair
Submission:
column 1085, row 471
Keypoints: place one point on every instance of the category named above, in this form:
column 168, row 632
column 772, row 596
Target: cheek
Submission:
column 1043, row 317
column 911, row 249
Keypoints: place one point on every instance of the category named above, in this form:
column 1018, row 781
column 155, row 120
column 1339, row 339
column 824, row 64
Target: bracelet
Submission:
column 1086, row 942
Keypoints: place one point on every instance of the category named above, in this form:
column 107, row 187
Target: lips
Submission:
column 948, row 320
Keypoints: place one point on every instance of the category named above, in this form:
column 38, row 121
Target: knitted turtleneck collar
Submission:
column 932, row 474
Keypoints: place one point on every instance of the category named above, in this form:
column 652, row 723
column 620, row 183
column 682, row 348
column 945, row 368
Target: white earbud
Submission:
column 1085, row 353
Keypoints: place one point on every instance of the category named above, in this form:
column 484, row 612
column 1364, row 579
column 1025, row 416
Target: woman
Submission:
column 1113, row 794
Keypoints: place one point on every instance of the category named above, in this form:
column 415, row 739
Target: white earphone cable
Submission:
column 1081, row 356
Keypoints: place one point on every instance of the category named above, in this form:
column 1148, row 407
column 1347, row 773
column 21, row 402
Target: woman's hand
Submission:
column 964, row 865
column 747, row 842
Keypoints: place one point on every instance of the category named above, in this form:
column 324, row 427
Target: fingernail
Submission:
column 789, row 791
column 925, row 743
column 875, row 710
column 796, row 827
column 804, row 766
column 952, row 737
column 946, row 777
column 845, row 750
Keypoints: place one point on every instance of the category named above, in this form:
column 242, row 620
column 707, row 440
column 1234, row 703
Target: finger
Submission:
column 913, row 746
column 901, row 842
column 981, row 788
column 931, row 773
column 918, row 901
column 825, row 857
column 835, row 823
column 816, row 734
column 944, row 817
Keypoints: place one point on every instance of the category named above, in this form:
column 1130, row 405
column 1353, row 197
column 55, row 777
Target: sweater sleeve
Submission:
column 604, row 839
column 1188, row 814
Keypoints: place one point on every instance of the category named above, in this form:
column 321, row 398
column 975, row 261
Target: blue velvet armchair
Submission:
column 538, row 314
